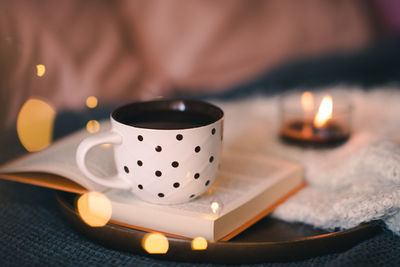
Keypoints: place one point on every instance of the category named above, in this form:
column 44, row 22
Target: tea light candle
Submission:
column 328, row 125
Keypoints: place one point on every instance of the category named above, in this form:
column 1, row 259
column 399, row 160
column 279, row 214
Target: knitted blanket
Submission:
column 356, row 182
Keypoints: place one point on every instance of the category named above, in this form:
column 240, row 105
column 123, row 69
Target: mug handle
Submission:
column 110, row 137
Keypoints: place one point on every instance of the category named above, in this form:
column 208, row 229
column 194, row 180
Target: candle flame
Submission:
column 324, row 111
column 307, row 101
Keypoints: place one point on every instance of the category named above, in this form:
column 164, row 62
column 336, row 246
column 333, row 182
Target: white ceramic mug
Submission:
column 165, row 151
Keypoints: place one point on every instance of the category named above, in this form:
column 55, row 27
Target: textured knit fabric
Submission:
column 363, row 187
column 347, row 185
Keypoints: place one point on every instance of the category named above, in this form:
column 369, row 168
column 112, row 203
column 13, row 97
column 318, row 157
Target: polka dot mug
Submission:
column 165, row 151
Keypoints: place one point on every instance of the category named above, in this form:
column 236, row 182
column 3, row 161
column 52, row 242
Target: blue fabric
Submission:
column 34, row 233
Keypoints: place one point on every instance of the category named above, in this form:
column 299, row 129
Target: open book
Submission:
column 247, row 187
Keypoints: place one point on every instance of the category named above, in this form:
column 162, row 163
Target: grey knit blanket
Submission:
column 348, row 185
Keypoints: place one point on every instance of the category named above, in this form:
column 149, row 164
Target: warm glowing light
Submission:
column 35, row 124
column 215, row 207
column 199, row 243
column 93, row 126
column 94, row 208
column 91, row 102
column 106, row 145
column 155, row 243
column 307, row 101
column 324, row 112
column 40, row 70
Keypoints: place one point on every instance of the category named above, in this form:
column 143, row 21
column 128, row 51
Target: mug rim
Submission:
column 173, row 104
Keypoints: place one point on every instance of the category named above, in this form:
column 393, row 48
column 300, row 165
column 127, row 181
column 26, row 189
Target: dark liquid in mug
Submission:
column 169, row 119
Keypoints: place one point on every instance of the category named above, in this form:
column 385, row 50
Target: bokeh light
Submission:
column 91, row 102
column 35, row 124
column 215, row 207
column 94, row 208
column 199, row 243
column 40, row 70
column 155, row 243
column 106, row 145
column 93, row 126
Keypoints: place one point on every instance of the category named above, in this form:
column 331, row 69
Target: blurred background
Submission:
column 63, row 52
column 66, row 64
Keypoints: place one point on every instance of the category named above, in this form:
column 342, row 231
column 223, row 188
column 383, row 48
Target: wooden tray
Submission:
column 266, row 241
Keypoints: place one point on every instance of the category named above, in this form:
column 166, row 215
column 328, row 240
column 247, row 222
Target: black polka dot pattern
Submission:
column 175, row 164
column 126, row 169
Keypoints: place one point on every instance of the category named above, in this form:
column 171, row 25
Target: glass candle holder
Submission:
column 318, row 119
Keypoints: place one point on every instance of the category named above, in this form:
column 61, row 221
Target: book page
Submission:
column 59, row 159
column 241, row 177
